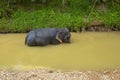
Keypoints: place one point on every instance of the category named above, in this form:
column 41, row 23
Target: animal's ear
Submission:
column 58, row 37
column 66, row 29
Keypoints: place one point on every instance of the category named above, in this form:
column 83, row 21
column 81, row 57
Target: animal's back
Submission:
column 47, row 32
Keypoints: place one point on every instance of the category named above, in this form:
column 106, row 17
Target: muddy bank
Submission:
column 51, row 74
column 96, row 26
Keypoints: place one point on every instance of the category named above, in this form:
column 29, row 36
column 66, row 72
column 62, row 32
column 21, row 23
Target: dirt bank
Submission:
column 50, row 74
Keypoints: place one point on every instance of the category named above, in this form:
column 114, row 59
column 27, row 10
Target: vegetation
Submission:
column 24, row 15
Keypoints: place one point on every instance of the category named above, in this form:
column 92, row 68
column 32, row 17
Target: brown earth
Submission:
column 50, row 74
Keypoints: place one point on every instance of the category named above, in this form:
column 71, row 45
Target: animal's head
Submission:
column 63, row 35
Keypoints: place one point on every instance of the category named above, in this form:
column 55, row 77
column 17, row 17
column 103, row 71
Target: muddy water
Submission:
column 87, row 51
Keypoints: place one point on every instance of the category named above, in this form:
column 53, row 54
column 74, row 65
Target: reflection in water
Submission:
column 87, row 51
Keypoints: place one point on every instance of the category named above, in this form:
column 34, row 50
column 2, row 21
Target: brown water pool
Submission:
column 88, row 50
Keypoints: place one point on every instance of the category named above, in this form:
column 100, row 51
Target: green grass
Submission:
column 72, row 16
column 23, row 21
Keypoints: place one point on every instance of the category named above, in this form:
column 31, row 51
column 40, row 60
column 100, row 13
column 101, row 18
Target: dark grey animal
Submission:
column 45, row 36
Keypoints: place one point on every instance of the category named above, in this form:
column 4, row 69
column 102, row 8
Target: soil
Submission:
column 51, row 74
column 96, row 26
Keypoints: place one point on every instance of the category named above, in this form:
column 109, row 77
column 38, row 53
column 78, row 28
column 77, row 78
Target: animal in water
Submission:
column 45, row 36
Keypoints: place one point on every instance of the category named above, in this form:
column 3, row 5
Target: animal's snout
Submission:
column 69, row 41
